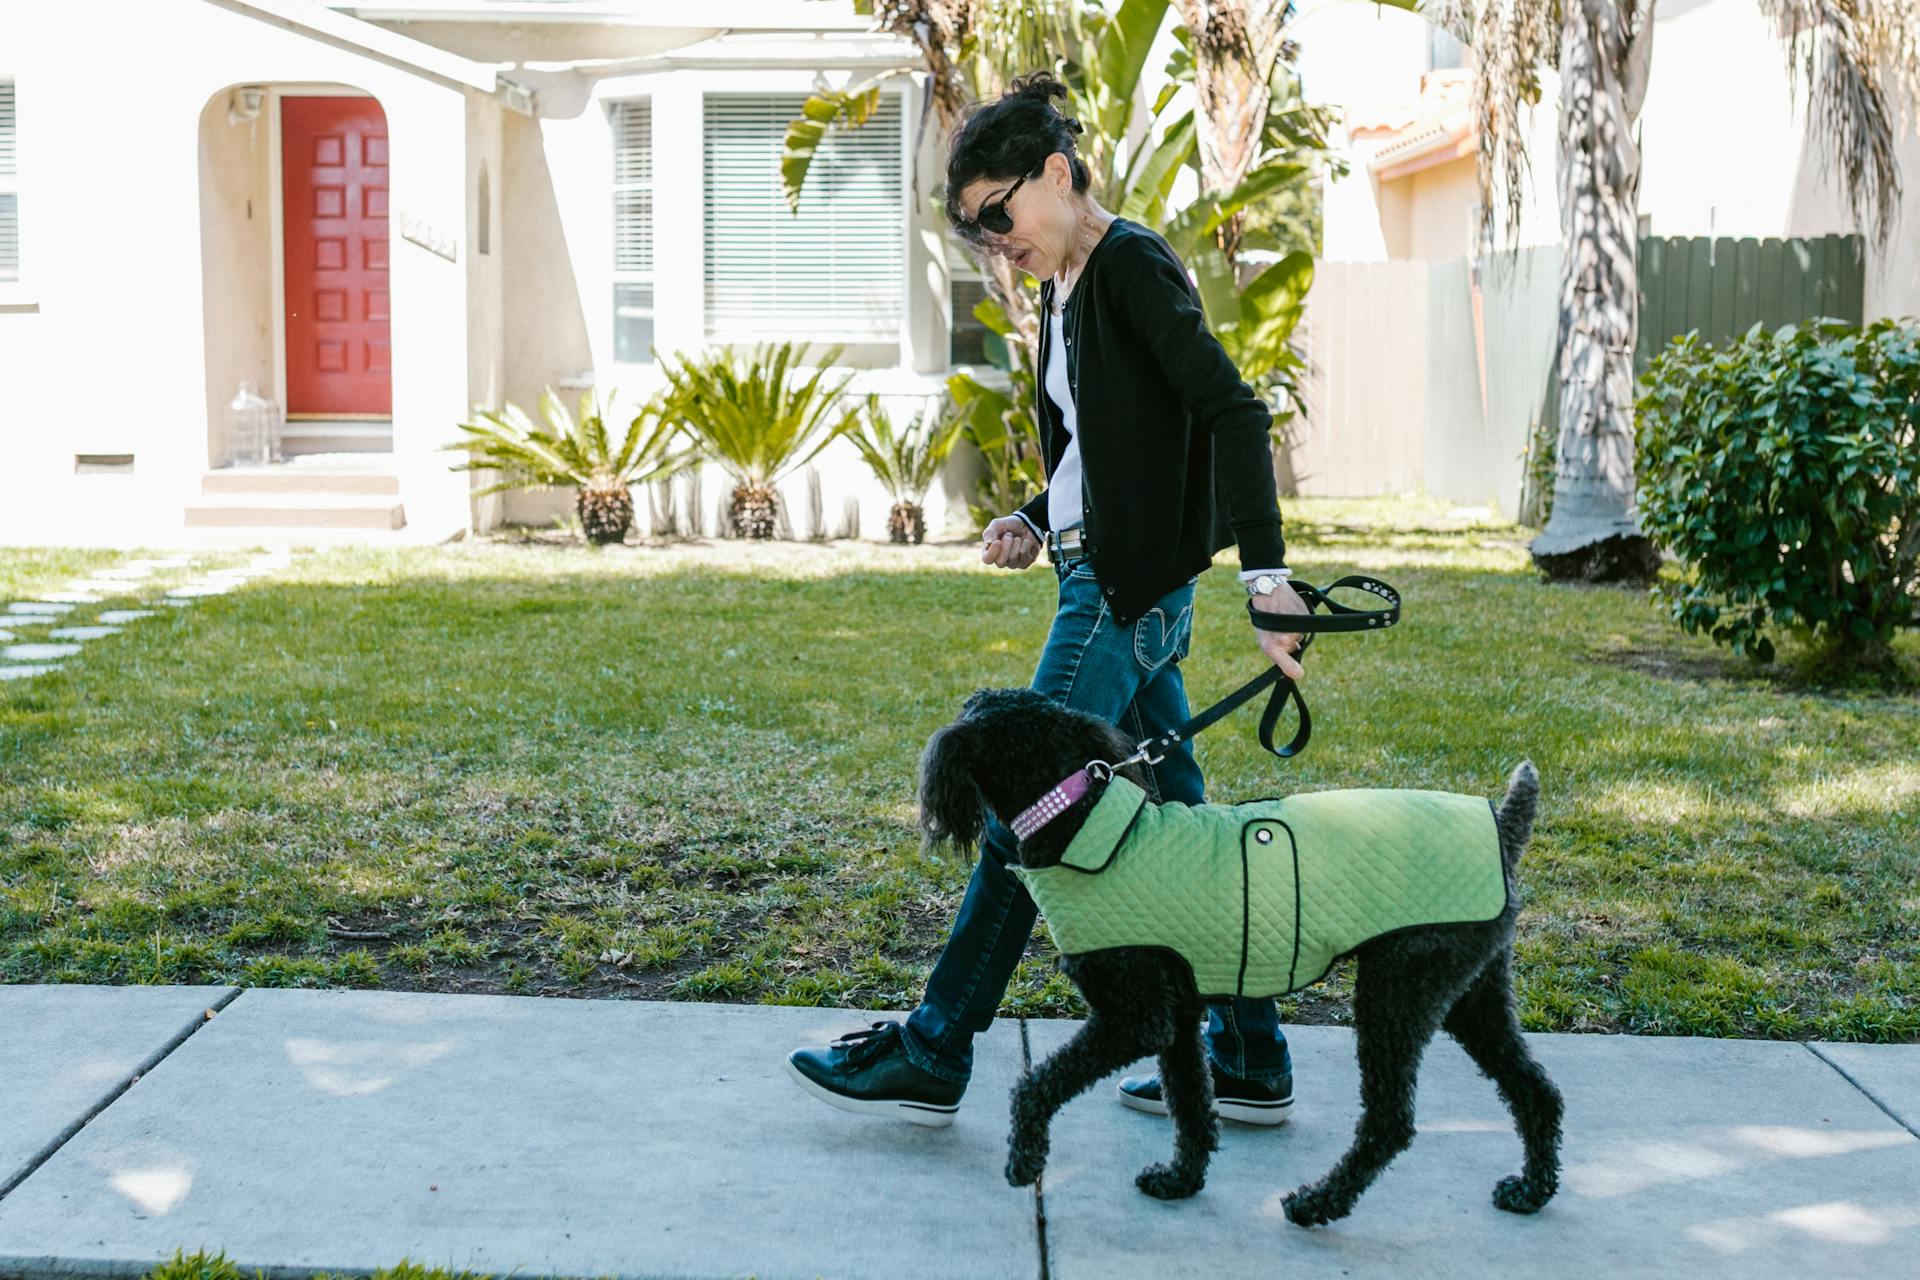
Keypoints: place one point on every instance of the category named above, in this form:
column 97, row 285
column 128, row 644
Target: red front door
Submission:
column 334, row 160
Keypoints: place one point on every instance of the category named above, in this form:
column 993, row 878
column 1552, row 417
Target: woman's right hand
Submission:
column 1009, row 543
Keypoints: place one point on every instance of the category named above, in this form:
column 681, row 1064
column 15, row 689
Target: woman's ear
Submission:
column 1059, row 174
column 951, row 804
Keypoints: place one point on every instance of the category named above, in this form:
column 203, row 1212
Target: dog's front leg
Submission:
column 1187, row 1086
column 1101, row 1046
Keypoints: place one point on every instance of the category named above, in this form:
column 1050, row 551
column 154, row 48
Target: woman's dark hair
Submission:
column 1010, row 138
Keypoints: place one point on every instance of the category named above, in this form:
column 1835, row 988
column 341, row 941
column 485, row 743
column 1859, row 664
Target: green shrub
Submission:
column 1781, row 468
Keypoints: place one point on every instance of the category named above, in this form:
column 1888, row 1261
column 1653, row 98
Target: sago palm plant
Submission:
column 758, row 417
column 575, row 449
column 905, row 461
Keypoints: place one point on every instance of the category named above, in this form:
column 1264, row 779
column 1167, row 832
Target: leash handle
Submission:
column 1339, row 617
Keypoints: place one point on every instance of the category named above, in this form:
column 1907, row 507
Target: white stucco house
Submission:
column 379, row 215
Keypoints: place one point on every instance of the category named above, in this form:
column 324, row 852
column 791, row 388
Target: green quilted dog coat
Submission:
column 1261, row 898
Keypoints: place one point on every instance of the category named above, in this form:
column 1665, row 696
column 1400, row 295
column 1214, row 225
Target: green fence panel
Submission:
column 1723, row 287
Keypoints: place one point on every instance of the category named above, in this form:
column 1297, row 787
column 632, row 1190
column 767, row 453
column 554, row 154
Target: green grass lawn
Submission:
column 687, row 772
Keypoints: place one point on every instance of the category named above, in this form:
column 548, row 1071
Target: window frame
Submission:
column 957, row 276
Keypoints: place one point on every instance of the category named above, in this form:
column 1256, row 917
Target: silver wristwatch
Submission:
column 1261, row 584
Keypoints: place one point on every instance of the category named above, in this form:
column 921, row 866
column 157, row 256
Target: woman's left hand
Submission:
column 1281, row 646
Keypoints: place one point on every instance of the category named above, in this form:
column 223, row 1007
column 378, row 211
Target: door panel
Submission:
column 334, row 198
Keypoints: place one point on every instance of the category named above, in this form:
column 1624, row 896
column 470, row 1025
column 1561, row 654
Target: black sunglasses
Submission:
column 992, row 217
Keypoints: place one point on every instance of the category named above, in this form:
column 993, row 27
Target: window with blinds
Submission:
column 633, row 232
column 9, row 188
column 835, row 272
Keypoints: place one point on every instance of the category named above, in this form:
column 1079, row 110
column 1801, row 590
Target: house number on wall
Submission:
column 428, row 237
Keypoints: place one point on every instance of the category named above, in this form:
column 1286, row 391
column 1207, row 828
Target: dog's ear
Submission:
column 951, row 804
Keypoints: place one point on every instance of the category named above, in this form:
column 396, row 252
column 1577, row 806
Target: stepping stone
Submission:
column 29, row 619
column 117, row 617
column 5, row 636
column 38, row 607
column 71, row 597
column 81, row 633
column 169, row 562
column 124, row 572
column 103, row 586
column 193, row 589
column 231, row 575
column 22, row 673
column 178, row 604
column 38, row 652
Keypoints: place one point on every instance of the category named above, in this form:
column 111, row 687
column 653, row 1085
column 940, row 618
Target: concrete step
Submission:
column 299, row 479
column 307, row 437
column 298, row 511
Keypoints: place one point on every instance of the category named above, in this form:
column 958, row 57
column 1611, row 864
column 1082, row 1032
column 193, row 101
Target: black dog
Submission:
column 1010, row 746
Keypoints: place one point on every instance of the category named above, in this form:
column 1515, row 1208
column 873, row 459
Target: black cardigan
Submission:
column 1174, row 452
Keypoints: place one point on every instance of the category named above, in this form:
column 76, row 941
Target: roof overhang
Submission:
column 1434, row 143
column 738, row 15
column 323, row 23
column 820, row 51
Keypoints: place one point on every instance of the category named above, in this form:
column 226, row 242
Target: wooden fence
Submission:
column 1419, row 381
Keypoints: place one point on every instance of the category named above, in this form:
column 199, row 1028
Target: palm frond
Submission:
column 1858, row 59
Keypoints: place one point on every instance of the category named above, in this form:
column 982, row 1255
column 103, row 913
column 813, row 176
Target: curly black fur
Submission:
column 1009, row 746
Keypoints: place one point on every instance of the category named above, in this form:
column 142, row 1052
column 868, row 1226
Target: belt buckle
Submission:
column 1062, row 547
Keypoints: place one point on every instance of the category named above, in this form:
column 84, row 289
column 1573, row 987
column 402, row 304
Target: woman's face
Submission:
column 1042, row 213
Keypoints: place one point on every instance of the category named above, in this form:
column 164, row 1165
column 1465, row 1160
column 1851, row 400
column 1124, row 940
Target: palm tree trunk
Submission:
column 1231, row 84
column 1605, row 51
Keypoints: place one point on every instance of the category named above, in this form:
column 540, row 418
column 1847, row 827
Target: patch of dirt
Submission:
column 1669, row 665
column 1781, row 677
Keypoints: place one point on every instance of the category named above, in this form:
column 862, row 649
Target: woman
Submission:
column 1176, row 465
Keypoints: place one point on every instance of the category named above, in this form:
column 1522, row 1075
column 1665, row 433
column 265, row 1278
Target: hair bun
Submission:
column 1039, row 85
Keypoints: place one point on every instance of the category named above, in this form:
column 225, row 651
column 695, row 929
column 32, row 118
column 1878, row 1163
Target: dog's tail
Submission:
column 951, row 805
column 1516, row 810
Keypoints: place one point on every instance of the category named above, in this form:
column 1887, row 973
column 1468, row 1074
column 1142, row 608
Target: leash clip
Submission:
column 1144, row 754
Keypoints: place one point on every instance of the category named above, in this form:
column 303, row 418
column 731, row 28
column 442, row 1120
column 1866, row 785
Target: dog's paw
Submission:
column 1164, row 1182
column 1314, row 1207
column 1024, row 1166
column 1516, row 1194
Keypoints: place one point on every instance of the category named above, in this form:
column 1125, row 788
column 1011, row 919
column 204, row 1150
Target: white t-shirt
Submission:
column 1063, row 489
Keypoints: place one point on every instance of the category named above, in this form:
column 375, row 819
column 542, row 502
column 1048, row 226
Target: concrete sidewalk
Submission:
column 304, row 1131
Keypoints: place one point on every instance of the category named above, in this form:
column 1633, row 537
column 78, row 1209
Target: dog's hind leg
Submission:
column 1398, row 1001
column 1484, row 1022
column 1100, row 1047
column 1187, row 1085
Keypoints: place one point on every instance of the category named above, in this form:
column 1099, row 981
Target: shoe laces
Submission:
column 860, row 1046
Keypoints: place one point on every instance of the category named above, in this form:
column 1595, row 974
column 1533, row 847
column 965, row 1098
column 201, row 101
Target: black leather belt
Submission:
column 1064, row 548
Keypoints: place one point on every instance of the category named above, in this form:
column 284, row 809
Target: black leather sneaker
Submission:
column 870, row 1074
column 1247, row 1101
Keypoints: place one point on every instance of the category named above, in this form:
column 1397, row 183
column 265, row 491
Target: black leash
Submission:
column 1339, row 617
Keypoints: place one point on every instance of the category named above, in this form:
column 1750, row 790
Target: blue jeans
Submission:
column 1131, row 676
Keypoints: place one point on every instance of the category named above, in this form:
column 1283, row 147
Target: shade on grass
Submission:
column 686, row 771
